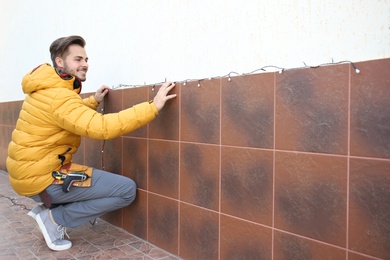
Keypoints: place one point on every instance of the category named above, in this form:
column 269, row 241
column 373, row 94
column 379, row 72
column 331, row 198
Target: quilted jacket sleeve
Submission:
column 73, row 115
column 91, row 102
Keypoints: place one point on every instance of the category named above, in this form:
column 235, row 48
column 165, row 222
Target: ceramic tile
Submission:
column 287, row 246
column 312, row 110
column 113, row 102
column 246, row 184
column 199, row 175
column 200, row 112
column 101, row 106
column 114, row 217
column 199, row 233
column 87, row 94
column 357, row 256
column 163, row 222
column 112, row 149
column 8, row 117
column 166, row 124
column 81, row 248
column 155, row 253
column 142, row 246
column 131, row 97
column 311, row 196
column 106, row 242
column 3, row 114
column 369, row 207
column 5, row 137
column 5, row 117
column 135, row 161
column 10, row 112
column 370, row 110
column 163, row 173
column 112, row 155
column 78, row 157
column 135, row 215
column 247, row 116
column 244, row 240
column 93, row 153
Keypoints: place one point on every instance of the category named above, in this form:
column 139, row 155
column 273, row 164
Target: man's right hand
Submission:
column 162, row 95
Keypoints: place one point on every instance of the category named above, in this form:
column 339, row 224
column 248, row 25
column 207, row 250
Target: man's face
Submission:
column 75, row 63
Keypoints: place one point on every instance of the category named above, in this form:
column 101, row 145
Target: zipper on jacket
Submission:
column 62, row 157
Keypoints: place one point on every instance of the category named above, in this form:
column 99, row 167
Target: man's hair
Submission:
column 59, row 48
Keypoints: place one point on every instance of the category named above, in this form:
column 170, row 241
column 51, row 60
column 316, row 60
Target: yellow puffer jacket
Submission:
column 51, row 121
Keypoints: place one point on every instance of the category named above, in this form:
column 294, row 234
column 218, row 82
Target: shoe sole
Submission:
column 32, row 214
column 47, row 237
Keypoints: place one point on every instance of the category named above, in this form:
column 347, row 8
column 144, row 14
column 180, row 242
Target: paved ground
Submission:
column 20, row 237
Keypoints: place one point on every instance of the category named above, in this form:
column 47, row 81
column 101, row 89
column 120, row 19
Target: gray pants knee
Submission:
column 108, row 192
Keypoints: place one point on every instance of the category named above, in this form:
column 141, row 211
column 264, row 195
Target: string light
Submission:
column 232, row 72
column 334, row 63
column 262, row 69
column 356, row 69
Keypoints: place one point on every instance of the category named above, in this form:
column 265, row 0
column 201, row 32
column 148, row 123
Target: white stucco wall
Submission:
column 136, row 42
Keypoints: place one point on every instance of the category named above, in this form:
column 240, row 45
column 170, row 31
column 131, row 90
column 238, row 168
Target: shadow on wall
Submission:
column 265, row 166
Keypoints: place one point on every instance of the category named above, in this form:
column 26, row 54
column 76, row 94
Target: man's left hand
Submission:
column 101, row 93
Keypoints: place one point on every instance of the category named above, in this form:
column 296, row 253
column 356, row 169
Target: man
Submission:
column 51, row 122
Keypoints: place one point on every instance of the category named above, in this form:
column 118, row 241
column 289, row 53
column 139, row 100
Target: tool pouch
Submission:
column 74, row 167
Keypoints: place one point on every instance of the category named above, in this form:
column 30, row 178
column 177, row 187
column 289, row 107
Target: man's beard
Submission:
column 74, row 73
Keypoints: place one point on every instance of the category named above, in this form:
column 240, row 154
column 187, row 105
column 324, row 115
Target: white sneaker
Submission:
column 36, row 210
column 53, row 233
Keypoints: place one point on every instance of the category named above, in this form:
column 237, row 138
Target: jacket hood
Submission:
column 45, row 76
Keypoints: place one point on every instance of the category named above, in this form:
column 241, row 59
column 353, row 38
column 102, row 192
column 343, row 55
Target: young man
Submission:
column 51, row 122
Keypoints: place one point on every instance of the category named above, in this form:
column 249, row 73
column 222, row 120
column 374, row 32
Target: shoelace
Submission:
column 62, row 230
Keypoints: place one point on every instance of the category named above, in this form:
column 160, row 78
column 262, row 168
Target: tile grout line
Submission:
column 147, row 171
column 122, row 165
column 179, row 179
column 348, row 162
column 220, row 169
column 273, row 174
column 268, row 149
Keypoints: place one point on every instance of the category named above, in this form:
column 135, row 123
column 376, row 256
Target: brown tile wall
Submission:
column 264, row 166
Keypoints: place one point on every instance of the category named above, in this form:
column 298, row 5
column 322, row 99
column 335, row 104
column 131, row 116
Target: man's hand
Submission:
column 101, row 93
column 162, row 95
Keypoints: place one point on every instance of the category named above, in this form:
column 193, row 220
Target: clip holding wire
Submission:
column 229, row 75
column 116, row 87
column 120, row 86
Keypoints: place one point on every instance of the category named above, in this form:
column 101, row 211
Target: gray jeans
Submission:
column 108, row 192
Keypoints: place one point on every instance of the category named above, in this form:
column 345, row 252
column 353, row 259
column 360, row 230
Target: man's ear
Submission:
column 59, row 62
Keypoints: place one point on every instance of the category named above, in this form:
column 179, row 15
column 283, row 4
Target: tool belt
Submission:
column 72, row 174
column 69, row 175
